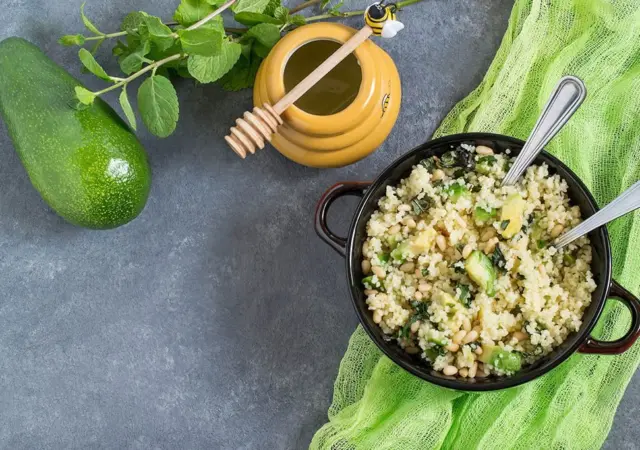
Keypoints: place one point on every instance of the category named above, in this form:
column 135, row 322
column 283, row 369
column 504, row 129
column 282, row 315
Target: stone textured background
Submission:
column 217, row 319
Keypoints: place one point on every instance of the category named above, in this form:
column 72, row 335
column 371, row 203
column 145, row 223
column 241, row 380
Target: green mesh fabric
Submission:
column 376, row 404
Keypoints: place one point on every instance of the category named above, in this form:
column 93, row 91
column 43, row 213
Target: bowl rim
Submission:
column 504, row 382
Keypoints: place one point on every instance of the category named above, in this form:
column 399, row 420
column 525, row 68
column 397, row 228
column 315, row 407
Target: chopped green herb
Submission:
column 425, row 272
column 541, row 243
column 370, row 284
column 485, row 164
column 498, row 259
column 459, row 173
column 465, row 296
column 458, row 267
column 449, row 159
column 428, row 163
column 504, row 224
column 420, row 206
column 457, row 158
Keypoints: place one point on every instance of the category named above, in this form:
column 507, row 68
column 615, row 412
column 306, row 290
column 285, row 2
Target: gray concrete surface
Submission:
column 216, row 319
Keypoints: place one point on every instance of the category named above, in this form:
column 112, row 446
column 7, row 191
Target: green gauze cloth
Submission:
column 376, row 404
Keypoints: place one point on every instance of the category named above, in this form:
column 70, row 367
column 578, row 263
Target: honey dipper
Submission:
column 258, row 125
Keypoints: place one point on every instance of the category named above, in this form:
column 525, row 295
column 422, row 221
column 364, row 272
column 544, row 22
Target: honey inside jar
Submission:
column 335, row 91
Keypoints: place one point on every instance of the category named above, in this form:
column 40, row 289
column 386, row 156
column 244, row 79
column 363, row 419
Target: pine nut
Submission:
column 365, row 247
column 470, row 337
column 418, row 295
column 464, row 372
column 555, row 231
column 394, row 229
column 461, row 221
column 450, row 370
column 488, row 234
column 370, row 292
column 466, row 324
column 480, row 374
column 437, row 175
column 466, row 251
column 379, row 272
column 520, row 336
column 473, row 370
column 412, row 350
column 491, row 245
column 408, row 267
column 423, row 287
column 441, row 242
column 477, row 329
column 478, row 350
column 366, row 266
column 484, row 150
column 411, row 223
column 452, row 347
column 414, row 326
column 377, row 316
column 457, row 338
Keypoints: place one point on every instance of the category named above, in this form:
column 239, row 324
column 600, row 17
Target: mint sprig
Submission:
column 195, row 45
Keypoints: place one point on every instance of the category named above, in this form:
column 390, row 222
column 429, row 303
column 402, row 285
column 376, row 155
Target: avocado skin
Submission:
column 86, row 164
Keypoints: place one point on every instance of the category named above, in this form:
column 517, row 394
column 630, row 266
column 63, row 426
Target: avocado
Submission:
column 423, row 241
column 481, row 271
column 86, row 164
column 512, row 215
column 501, row 359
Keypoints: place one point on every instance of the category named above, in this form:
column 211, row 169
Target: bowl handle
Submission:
column 336, row 191
column 623, row 344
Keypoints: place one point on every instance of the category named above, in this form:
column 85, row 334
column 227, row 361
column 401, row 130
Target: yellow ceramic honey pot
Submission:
column 346, row 114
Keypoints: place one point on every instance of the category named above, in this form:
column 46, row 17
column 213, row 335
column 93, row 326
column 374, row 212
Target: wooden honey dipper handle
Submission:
column 257, row 126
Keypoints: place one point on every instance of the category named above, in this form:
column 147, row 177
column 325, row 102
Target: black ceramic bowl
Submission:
column 351, row 248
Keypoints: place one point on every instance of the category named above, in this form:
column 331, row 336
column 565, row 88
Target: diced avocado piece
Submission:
column 513, row 212
column 568, row 259
column 501, row 359
column 481, row 271
column 370, row 284
column 484, row 215
column 423, row 241
column 438, row 341
column 399, row 253
column 384, row 257
column 485, row 164
column 455, row 191
column 445, row 299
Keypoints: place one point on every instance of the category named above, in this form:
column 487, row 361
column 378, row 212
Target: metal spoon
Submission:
column 564, row 101
column 626, row 202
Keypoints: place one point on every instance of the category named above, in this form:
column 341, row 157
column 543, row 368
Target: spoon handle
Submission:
column 628, row 201
column 565, row 99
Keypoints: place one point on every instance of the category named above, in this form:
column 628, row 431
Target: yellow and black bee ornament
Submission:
column 381, row 19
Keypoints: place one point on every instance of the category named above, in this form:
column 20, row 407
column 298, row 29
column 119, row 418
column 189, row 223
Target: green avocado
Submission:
column 87, row 165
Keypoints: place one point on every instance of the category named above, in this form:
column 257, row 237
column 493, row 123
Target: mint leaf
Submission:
column 71, row 40
column 119, row 49
column 297, row 20
column 265, row 33
column 128, row 110
column 250, row 6
column 281, row 14
column 201, row 41
column 133, row 62
column 251, row 18
column 241, row 76
column 92, row 65
column 85, row 96
column 191, row 11
column 132, row 21
column 159, row 34
column 158, row 105
column 207, row 69
column 324, row 3
column 87, row 23
column 260, row 50
column 271, row 7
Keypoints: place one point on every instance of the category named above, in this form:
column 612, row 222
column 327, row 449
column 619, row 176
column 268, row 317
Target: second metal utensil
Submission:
column 626, row 202
column 565, row 99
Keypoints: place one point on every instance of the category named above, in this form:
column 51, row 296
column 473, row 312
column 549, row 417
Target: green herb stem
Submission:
column 105, row 36
column 141, row 72
column 304, row 5
column 217, row 12
column 356, row 13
